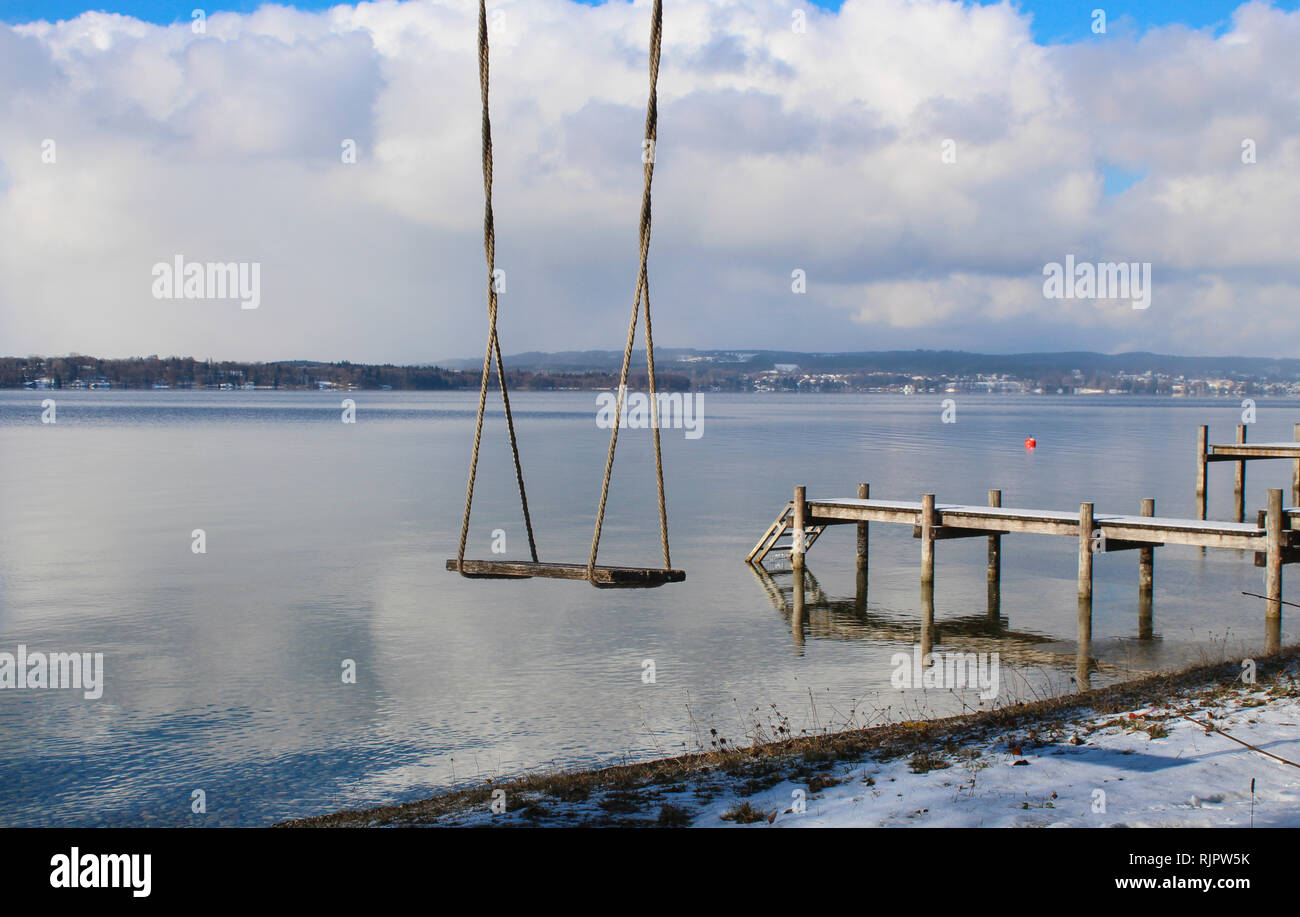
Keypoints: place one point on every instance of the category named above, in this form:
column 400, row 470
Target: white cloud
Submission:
column 778, row 150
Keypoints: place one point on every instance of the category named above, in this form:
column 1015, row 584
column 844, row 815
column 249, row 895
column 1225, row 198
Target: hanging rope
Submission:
column 642, row 290
column 493, row 344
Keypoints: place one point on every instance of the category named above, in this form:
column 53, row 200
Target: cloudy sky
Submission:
column 819, row 150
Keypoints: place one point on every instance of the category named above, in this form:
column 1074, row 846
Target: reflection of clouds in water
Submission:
column 326, row 541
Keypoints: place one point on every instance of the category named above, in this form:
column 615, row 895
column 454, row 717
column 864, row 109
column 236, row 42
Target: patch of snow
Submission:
column 1119, row 776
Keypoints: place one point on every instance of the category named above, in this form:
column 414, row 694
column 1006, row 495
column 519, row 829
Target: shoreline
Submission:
column 835, row 773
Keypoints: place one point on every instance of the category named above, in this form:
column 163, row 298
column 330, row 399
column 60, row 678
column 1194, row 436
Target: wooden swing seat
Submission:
column 605, row 576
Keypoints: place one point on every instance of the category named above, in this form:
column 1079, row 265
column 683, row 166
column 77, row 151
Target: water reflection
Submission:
column 326, row 541
column 813, row 613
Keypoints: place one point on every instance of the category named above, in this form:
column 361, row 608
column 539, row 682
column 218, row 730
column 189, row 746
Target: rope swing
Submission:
column 604, row 576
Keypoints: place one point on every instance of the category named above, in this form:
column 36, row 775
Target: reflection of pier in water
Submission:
column 798, row 596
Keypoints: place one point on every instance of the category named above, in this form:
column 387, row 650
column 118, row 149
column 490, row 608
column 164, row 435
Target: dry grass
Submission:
column 744, row 814
column 925, row 760
column 671, row 816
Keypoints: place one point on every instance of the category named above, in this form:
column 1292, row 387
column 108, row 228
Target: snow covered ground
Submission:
column 1146, row 767
column 1152, row 766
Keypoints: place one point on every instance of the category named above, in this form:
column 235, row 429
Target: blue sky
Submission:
column 1054, row 20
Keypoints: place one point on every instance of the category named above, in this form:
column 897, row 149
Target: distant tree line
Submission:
column 78, row 371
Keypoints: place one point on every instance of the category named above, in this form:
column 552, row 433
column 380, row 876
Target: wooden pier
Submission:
column 1239, row 453
column 1272, row 540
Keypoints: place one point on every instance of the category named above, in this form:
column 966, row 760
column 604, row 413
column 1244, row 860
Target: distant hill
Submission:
column 920, row 362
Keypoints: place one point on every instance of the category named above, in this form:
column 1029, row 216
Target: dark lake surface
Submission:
column 326, row 542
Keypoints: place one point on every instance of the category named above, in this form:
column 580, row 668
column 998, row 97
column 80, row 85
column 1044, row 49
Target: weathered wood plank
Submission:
column 1120, row 544
column 607, row 576
column 1234, row 451
column 1004, row 520
column 943, row 532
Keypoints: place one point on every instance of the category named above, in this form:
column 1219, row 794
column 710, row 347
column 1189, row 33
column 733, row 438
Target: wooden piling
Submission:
column 1146, row 619
column 995, row 564
column 864, row 493
column 1085, row 550
column 1083, row 649
column 860, row 592
column 1202, row 444
column 1275, row 540
column 1295, row 472
column 1239, row 479
column 995, row 543
column 927, row 539
column 1147, row 555
column 800, row 514
column 1146, row 580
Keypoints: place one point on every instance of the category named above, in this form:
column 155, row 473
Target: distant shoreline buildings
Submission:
column 713, row 371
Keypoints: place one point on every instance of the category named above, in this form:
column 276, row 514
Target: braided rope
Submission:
column 643, row 287
column 493, row 343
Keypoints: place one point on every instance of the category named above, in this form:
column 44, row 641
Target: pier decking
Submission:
column 955, row 520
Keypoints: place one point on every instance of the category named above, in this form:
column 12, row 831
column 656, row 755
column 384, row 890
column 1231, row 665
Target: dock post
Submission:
column 927, row 539
column 1239, row 481
column 1147, row 555
column 1295, row 472
column 1274, row 536
column 1146, row 578
column 1083, row 648
column 1085, row 550
column 860, row 594
column 995, row 563
column 1202, row 444
column 800, row 513
column 864, row 493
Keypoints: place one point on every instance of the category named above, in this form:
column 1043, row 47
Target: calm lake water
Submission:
column 327, row 541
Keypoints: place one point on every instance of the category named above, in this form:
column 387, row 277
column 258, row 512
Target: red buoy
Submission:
column 1031, row 443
